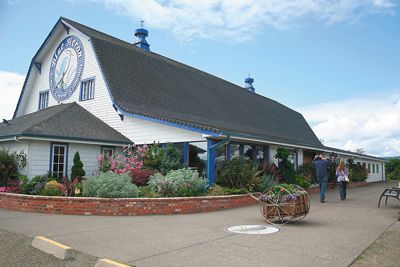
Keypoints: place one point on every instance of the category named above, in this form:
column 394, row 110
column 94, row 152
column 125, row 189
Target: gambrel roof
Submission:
column 147, row 84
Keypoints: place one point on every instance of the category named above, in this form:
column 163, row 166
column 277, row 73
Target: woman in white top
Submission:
column 342, row 173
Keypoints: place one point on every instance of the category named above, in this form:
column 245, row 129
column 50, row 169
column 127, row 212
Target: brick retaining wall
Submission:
column 127, row 206
column 121, row 206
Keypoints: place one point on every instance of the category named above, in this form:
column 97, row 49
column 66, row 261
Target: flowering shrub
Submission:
column 69, row 186
column 140, row 177
column 133, row 159
column 281, row 193
column 9, row 189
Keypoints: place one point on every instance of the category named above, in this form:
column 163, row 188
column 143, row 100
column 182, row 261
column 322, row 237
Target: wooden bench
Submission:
column 393, row 192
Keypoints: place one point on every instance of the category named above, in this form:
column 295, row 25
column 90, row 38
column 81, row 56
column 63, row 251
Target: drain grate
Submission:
column 253, row 229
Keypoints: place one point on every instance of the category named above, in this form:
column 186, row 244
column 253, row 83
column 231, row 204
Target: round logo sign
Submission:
column 66, row 68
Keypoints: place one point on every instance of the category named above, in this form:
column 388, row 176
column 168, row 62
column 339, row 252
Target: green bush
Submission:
column 308, row 171
column 392, row 165
column 178, row 183
column 395, row 174
column 110, row 185
column 357, row 173
column 286, row 168
column 35, row 185
column 163, row 159
column 77, row 168
column 266, row 181
column 239, row 173
column 218, row 190
column 8, row 167
column 302, row 181
column 52, row 188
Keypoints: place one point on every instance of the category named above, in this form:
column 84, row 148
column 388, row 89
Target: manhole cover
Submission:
column 253, row 229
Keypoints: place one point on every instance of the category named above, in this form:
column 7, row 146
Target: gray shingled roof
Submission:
column 148, row 84
column 64, row 121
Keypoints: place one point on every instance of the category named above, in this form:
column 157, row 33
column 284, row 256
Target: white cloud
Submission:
column 241, row 20
column 10, row 89
column 371, row 122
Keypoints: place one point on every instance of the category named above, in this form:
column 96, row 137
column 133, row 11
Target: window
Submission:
column 108, row 151
column 373, row 168
column 87, row 90
column 43, row 100
column 59, row 160
column 377, row 168
column 369, row 167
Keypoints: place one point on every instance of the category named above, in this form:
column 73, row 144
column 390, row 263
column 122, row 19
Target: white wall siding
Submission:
column 88, row 155
column 100, row 106
column 38, row 158
column 146, row 132
column 14, row 146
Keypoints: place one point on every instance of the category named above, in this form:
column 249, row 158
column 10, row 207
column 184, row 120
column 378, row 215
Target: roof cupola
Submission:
column 249, row 84
column 141, row 35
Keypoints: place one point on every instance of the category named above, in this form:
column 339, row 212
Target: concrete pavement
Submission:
column 333, row 234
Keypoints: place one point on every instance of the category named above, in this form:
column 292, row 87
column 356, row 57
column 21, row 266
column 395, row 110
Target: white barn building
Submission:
column 87, row 91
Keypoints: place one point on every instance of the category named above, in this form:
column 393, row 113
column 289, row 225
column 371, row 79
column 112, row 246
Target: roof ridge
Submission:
column 62, row 107
column 164, row 58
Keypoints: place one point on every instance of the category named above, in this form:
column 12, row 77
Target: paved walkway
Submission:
column 333, row 234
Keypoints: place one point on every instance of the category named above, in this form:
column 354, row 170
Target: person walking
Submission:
column 321, row 169
column 342, row 174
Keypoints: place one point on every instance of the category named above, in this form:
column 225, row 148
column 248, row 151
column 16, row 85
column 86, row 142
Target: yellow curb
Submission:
column 109, row 263
column 52, row 247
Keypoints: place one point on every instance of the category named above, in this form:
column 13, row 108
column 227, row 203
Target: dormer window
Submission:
column 87, row 89
column 43, row 100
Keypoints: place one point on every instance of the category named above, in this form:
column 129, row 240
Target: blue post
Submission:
column 210, row 162
column 186, row 154
column 266, row 153
column 228, row 152
column 241, row 150
column 254, row 153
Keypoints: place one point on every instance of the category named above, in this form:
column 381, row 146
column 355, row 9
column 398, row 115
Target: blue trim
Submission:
column 110, row 147
column 52, row 144
column 241, row 150
column 40, row 95
column 180, row 126
column 228, row 152
column 186, row 154
column 210, row 162
column 254, row 152
column 32, row 63
column 66, row 161
column 81, row 87
column 51, row 159
column 266, row 153
column 38, row 66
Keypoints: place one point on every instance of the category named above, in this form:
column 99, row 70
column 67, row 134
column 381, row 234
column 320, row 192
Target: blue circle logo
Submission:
column 66, row 68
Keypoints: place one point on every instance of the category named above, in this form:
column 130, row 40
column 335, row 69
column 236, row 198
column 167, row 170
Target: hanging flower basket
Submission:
column 283, row 203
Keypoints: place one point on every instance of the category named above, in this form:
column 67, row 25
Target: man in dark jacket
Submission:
column 321, row 168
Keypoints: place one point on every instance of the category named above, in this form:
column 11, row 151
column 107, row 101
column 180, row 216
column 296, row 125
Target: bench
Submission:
column 393, row 192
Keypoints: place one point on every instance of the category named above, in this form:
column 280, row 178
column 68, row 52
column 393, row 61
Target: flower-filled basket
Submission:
column 283, row 203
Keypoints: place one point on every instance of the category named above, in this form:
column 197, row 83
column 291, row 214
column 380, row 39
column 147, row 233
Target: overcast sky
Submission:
column 336, row 62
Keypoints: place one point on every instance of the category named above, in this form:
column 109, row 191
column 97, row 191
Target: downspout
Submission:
column 211, row 158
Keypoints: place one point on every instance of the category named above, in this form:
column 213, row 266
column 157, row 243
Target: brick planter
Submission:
column 121, row 206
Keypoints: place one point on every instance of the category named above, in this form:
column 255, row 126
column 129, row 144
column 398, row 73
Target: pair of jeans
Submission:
column 342, row 190
column 323, row 185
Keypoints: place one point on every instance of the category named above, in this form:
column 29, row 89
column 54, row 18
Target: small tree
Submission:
column 77, row 168
column 286, row 168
